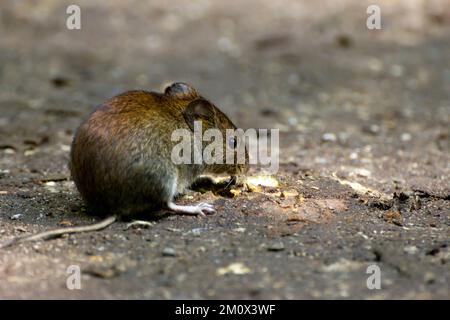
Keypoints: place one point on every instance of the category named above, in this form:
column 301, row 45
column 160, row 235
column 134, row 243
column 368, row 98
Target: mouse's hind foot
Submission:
column 201, row 209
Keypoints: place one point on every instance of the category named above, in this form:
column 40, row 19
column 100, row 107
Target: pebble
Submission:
column 30, row 152
column 397, row 70
column 276, row 246
column 197, row 232
column 236, row 268
column 329, row 137
column 411, row 249
column 405, row 137
column 169, row 252
column 16, row 216
column 362, row 172
column 65, row 148
column 353, row 155
column 375, row 64
column 429, row 277
column 372, row 129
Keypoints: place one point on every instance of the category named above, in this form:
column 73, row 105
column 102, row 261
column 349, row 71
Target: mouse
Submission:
column 120, row 157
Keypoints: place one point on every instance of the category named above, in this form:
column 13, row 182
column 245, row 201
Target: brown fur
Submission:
column 121, row 155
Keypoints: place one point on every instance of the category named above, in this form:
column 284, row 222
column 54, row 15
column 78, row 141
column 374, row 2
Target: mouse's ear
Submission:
column 199, row 110
column 181, row 90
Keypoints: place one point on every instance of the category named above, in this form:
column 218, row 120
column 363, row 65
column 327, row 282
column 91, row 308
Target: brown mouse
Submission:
column 120, row 158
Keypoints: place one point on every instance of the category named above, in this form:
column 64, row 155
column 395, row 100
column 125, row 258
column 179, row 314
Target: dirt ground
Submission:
column 364, row 131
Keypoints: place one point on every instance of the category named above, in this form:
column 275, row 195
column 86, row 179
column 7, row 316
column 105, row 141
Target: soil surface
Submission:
column 364, row 118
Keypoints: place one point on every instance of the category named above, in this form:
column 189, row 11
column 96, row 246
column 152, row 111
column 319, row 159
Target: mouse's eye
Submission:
column 232, row 143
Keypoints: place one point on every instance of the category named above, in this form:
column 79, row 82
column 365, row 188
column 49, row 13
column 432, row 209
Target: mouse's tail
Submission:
column 59, row 232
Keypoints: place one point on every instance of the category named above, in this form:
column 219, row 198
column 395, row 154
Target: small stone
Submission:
column 30, row 152
column 276, row 246
column 411, row 249
column 169, row 252
column 397, row 70
column 329, row 137
column 343, row 265
column 429, row 277
column 361, row 172
column 16, row 216
column 375, row 64
column 65, row 148
column 363, row 235
column 137, row 224
column 373, row 129
column 197, row 232
column 405, row 137
column 236, row 268
column 262, row 180
column 51, row 186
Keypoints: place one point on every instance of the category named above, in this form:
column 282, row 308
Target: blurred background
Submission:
column 307, row 68
column 367, row 106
